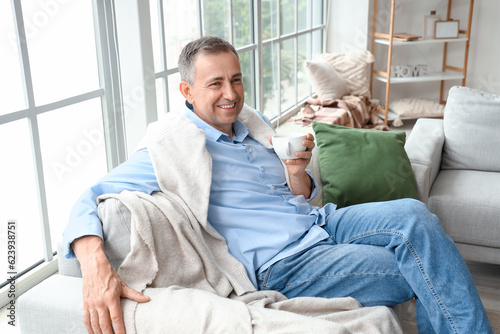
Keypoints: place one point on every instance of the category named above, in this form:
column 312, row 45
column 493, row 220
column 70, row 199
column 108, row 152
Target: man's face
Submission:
column 217, row 92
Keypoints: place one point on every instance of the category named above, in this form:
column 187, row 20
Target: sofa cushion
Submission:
column 471, row 119
column 467, row 203
column 362, row 165
column 54, row 306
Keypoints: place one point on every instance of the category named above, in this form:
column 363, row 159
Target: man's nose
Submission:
column 228, row 91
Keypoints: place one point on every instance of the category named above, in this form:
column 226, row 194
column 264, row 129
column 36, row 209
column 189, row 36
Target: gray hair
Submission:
column 208, row 45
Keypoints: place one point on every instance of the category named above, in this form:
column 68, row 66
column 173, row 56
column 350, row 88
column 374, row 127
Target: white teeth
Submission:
column 227, row 106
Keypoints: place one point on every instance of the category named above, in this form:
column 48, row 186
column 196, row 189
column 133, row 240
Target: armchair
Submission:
column 456, row 163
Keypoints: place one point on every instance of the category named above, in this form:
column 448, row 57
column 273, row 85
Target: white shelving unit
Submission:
column 448, row 72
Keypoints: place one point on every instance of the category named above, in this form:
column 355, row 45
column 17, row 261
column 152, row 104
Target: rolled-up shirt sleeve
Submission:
column 136, row 174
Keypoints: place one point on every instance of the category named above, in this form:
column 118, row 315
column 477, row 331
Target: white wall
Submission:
column 350, row 27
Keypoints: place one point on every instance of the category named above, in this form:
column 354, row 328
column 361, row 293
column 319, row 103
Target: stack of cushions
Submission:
column 346, row 75
column 363, row 165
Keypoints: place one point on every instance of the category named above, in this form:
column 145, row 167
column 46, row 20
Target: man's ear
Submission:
column 185, row 89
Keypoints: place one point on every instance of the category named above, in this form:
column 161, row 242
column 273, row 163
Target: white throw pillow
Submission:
column 353, row 67
column 327, row 83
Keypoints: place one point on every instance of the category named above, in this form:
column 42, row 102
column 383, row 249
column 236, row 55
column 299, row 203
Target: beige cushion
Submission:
column 353, row 67
column 327, row 82
column 415, row 108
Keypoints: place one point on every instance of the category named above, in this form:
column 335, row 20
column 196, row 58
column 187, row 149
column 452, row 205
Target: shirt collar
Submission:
column 240, row 131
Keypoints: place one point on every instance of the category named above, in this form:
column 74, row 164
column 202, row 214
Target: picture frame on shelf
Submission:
column 446, row 29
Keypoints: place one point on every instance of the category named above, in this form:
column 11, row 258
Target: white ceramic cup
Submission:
column 285, row 145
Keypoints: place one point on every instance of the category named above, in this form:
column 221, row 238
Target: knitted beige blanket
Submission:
column 181, row 261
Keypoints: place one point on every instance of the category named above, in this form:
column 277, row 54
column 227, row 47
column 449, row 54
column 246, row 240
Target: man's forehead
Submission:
column 212, row 63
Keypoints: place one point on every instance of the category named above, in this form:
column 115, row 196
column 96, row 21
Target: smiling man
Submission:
column 381, row 253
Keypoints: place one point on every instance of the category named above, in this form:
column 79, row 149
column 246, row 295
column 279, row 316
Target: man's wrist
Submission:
column 87, row 248
column 301, row 184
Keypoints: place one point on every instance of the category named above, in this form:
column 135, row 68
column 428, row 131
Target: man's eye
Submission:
column 215, row 84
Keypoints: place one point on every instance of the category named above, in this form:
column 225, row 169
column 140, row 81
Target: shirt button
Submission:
column 262, row 169
column 250, row 150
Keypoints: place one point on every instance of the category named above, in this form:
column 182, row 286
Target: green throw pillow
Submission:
column 362, row 165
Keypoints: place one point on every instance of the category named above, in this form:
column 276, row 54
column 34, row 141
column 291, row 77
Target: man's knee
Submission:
column 413, row 207
column 418, row 216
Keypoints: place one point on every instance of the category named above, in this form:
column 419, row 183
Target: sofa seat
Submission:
column 455, row 198
column 54, row 306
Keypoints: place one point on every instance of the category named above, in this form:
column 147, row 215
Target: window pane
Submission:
column 269, row 19
column 242, row 22
column 62, row 49
column 270, row 80
column 176, row 100
column 304, row 43
column 181, row 27
column 304, row 14
column 317, row 12
column 317, row 43
column 216, row 19
column 11, row 84
column 287, row 15
column 246, row 62
column 73, row 164
column 287, row 74
column 18, row 197
column 155, row 35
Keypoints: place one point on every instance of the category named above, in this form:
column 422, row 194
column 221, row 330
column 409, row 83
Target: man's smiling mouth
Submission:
column 227, row 106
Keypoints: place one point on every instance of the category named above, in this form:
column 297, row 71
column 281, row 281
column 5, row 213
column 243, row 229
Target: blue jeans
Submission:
column 387, row 253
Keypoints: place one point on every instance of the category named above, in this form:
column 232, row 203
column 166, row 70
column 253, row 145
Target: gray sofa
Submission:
column 456, row 162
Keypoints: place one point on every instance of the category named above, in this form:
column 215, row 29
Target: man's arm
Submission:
column 136, row 174
column 102, row 286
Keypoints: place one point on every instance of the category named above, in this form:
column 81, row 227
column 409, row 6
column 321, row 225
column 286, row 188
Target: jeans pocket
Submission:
column 270, row 280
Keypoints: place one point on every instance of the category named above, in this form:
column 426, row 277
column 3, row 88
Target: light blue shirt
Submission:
column 250, row 205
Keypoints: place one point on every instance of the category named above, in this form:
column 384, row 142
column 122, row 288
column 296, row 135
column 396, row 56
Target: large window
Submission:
column 52, row 142
column 66, row 91
column 273, row 39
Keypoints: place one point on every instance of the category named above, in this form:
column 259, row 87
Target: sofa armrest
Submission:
column 424, row 148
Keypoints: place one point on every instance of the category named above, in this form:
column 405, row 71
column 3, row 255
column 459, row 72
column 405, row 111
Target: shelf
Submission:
column 391, row 39
column 438, row 76
column 462, row 38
